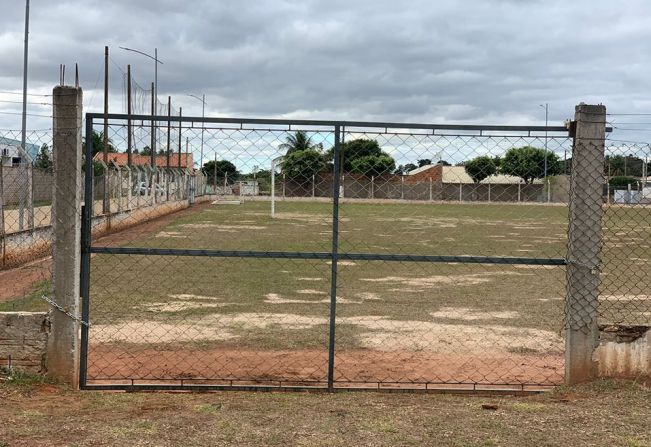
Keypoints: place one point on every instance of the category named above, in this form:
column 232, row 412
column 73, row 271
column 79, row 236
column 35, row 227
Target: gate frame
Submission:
column 87, row 249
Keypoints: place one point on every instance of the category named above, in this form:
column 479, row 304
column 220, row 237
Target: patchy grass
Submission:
column 166, row 303
column 31, row 302
column 605, row 413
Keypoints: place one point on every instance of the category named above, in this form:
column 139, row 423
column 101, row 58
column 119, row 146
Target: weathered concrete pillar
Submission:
column 64, row 343
column 584, row 243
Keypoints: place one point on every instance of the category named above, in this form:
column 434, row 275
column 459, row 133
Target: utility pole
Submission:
column 546, row 107
column 180, row 136
column 129, row 130
column 153, row 129
column 106, row 101
column 203, row 114
column 23, row 147
column 105, row 201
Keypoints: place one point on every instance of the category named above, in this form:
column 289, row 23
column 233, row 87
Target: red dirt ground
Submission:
column 115, row 363
column 20, row 281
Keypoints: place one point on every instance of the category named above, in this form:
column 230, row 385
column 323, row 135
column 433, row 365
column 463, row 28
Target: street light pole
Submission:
column 203, row 115
column 156, row 62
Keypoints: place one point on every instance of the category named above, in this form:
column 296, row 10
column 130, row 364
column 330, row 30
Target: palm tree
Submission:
column 298, row 142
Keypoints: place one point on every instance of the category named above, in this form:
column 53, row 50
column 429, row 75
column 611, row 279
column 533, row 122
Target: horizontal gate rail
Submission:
column 350, row 125
column 325, row 256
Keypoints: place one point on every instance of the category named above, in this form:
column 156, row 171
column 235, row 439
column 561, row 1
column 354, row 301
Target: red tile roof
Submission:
column 144, row 160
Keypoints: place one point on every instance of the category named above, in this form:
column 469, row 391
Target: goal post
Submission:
column 274, row 163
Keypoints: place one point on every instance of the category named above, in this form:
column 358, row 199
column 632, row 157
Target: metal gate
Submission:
column 370, row 255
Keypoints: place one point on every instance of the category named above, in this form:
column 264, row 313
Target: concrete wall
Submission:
column 11, row 181
column 357, row 186
column 23, row 341
column 623, row 352
column 20, row 247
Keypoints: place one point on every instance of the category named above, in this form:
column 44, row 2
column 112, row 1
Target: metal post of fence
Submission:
column 460, row 192
column 431, row 184
column 584, row 242
column 30, row 192
column 313, row 184
column 372, row 187
column 489, row 190
column 63, row 342
column 2, row 216
column 519, row 191
column 402, row 187
column 549, row 191
column 334, row 259
column 283, row 187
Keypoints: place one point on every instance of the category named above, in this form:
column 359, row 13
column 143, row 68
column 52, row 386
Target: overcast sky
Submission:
column 488, row 61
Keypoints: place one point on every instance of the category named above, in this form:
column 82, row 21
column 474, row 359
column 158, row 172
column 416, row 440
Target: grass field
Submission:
column 604, row 413
column 169, row 317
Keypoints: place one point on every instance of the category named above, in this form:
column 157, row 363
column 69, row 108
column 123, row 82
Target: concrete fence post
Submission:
column 584, row 242
column 372, row 187
column 63, row 342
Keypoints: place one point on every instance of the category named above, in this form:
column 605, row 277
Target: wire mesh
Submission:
column 623, row 294
column 237, row 289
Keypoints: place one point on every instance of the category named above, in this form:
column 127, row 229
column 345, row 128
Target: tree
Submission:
column 622, row 182
column 405, row 169
column 98, row 143
column 443, row 163
column 480, row 167
column 221, row 168
column 145, row 151
column 617, row 165
column 528, row 163
column 372, row 165
column 372, row 160
column 43, row 160
column 300, row 141
column 424, row 162
column 303, row 164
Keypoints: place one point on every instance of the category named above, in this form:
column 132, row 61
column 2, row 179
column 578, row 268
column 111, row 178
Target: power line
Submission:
column 28, row 114
column 33, row 103
column 18, row 93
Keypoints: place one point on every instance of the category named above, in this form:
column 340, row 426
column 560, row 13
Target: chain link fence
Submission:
column 339, row 254
column 256, row 253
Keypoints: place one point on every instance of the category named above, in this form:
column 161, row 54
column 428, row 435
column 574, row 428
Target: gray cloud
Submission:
column 473, row 61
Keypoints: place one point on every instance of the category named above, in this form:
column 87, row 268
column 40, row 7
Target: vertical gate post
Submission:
column 584, row 242
column 63, row 343
column 334, row 259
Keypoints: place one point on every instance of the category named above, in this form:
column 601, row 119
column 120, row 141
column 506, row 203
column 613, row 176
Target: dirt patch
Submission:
column 311, row 365
column 148, row 332
column 397, row 335
column 466, row 314
column 171, row 234
column 178, row 306
column 225, row 228
column 368, row 296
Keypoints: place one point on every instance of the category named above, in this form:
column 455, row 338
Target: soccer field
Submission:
column 188, row 317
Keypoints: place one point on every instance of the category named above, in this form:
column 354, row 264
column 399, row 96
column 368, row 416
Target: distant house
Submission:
column 12, row 155
column 121, row 160
column 442, row 175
